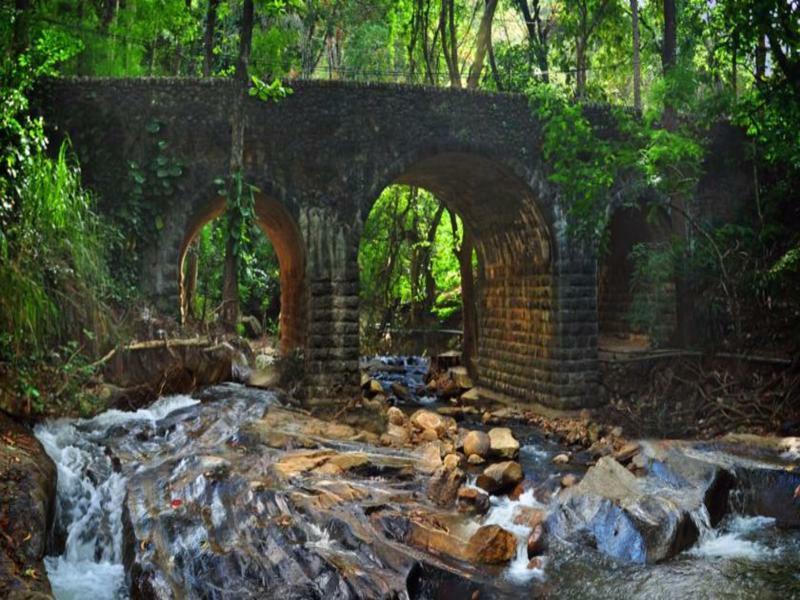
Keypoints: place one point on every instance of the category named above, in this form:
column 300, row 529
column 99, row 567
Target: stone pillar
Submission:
column 332, row 345
column 575, row 377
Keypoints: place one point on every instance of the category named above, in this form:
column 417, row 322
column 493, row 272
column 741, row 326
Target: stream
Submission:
column 229, row 494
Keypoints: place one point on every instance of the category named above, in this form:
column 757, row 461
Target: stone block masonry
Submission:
column 320, row 159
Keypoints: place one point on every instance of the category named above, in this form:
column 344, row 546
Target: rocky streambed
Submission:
column 235, row 494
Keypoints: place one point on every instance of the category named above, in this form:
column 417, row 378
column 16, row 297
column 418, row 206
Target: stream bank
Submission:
column 232, row 493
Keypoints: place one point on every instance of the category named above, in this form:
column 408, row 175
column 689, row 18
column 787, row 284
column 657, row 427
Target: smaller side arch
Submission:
column 282, row 231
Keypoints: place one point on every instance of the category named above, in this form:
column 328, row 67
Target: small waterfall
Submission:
column 702, row 520
column 89, row 503
column 502, row 514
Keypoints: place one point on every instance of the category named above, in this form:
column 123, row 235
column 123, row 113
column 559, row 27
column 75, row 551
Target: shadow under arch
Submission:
column 630, row 226
column 282, row 231
column 514, row 235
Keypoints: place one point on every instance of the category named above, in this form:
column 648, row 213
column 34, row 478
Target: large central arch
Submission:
column 520, row 326
column 282, row 231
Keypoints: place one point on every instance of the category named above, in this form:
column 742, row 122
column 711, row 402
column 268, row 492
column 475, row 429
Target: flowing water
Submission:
column 180, row 499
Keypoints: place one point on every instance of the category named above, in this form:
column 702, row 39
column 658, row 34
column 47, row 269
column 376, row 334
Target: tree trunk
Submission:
column 683, row 308
column 19, row 42
column 483, row 44
column 637, row 67
column 761, row 58
column 668, row 57
column 734, row 64
column 470, row 313
column 230, row 289
column 208, row 38
column 449, row 44
column 580, row 72
column 469, row 309
column 537, row 36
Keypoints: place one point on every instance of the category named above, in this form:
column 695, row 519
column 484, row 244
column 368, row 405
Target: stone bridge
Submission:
column 320, row 158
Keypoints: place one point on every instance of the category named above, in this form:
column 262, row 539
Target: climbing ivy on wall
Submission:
column 584, row 165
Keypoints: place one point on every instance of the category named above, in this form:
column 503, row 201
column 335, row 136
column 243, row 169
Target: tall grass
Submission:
column 53, row 273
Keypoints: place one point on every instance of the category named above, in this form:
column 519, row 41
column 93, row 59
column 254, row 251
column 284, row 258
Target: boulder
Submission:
column 477, row 442
column 396, row 416
column 27, row 490
column 401, row 391
column 569, row 480
column 626, row 453
column 397, row 434
column 430, row 459
column 536, row 541
column 491, row 544
column 443, row 486
column 428, row 435
column 639, row 520
column 426, row 419
column 561, row 459
column 500, row 477
column 470, row 500
column 141, row 372
column 460, row 377
column 453, row 461
column 503, row 443
column 471, row 396
column 527, row 516
column 372, row 387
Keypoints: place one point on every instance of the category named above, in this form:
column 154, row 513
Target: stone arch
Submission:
column 513, row 216
column 282, row 231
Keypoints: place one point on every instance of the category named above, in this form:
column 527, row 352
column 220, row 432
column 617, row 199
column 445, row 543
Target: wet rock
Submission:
column 639, row 461
column 474, row 459
column 527, row 516
column 428, row 435
column 396, row 435
column 427, row 532
column 141, row 372
column 460, row 377
column 470, row 500
column 471, row 396
column 443, row 486
column 426, row 419
column 601, row 448
column 477, row 442
column 500, row 477
column 453, row 461
column 491, row 544
column 616, row 513
column 430, row 459
column 569, row 480
column 535, row 563
column 372, row 387
column 561, row 459
column 536, row 541
column 401, row 391
column 27, row 504
column 503, row 443
column 626, row 453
